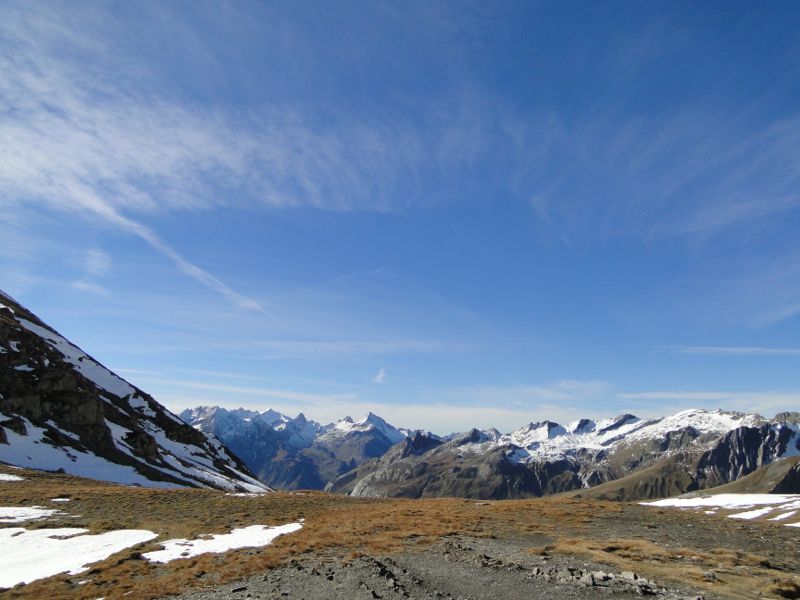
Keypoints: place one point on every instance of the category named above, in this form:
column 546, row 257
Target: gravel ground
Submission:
column 456, row 568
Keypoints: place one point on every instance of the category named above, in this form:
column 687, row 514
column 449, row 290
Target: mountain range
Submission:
column 296, row 453
column 648, row 458
column 60, row 409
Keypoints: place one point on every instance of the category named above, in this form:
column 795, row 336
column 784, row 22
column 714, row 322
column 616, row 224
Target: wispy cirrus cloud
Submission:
column 86, row 131
column 734, row 350
column 97, row 262
column 88, row 286
column 690, row 173
column 299, row 348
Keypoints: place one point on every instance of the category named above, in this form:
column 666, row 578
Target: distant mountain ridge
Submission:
column 692, row 449
column 636, row 458
column 62, row 409
column 295, row 453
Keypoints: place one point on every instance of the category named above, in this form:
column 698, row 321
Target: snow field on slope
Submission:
column 758, row 505
column 7, row 477
column 33, row 451
column 245, row 537
column 188, row 462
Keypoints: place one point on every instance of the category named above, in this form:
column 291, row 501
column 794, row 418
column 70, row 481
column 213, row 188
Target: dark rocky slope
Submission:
column 62, row 409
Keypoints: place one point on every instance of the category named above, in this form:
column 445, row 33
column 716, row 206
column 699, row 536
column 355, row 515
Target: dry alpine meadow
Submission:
column 678, row 551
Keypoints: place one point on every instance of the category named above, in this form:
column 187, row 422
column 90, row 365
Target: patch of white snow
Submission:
column 18, row 514
column 784, row 516
column 28, row 555
column 752, row 514
column 245, row 537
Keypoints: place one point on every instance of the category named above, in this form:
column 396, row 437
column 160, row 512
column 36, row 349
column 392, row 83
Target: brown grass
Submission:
column 347, row 527
column 736, row 574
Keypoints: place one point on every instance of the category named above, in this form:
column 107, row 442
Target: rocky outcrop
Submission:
column 61, row 409
column 744, row 450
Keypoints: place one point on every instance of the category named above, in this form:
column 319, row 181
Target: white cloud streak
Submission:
column 735, row 350
column 380, row 376
column 87, row 286
column 97, row 262
column 73, row 139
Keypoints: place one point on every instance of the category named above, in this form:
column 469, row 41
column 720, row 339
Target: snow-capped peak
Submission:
column 581, row 426
column 534, row 433
column 368, row 423
column 549, row 440
column 703, row 421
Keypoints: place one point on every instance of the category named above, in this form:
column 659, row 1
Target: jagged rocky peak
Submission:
column 475, row 436
column 419, row 442
column 62, row 409
column 582, row 426
column 537, row 432
column 371, row 422
column 787, row 417
column 616, row 423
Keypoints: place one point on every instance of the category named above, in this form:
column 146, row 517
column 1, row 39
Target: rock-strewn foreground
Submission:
column 352, row 547
column 459, row 567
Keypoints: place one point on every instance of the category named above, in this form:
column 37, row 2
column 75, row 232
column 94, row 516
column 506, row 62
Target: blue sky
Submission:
column 452, row 214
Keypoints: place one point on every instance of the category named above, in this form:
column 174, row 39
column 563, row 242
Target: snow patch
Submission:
column 245, row 537
column 7, row 477
column 726, row 500
column 34, row 451
column 28, row 555
column 752, row 514
column 18, row 514
column 784, row 516
column 139, row 403
column 767, row 504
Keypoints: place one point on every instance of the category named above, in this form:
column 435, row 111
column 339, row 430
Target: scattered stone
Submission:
column 482, row 570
